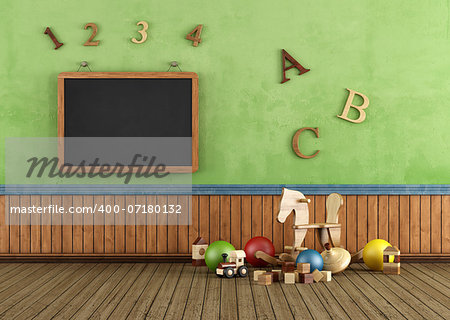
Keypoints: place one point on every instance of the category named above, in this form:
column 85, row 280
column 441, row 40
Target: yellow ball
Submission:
column 373, row 254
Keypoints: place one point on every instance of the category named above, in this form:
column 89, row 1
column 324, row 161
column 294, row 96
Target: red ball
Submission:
column 258, row 244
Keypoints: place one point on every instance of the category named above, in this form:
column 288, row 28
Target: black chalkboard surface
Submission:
column 131, row 105
column 128, row 107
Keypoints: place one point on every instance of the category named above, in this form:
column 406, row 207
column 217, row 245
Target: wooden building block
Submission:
column 199, row 247
column 391, row 268
column 297, row 276
column 326, row 276
column 303, row 267
column 265, row 279
column 279, row 274
column 288, row 266
column 317, row 275
column 306, row 278
column 257, row 273
column 391, row 252
column 289, row 278
column 275, row 276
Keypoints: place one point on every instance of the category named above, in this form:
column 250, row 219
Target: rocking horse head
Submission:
column 292, row 200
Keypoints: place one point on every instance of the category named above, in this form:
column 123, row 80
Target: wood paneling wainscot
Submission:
column 418, row 225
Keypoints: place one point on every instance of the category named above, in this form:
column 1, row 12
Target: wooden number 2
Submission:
column 143, row 32
column 196, row 39
column 52, row 36
column 94, row 32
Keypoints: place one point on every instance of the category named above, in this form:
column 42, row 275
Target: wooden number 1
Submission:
column 94, row 33
column 143, row 32
column 196, row 39
column 52, row 36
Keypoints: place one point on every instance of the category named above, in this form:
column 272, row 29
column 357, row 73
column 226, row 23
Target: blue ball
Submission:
column 312, row 257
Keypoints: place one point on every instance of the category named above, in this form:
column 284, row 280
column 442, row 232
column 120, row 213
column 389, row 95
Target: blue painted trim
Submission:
column 234, row 189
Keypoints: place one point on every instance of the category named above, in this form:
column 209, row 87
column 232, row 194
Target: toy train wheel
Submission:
column 243, row 271
column 228, row 272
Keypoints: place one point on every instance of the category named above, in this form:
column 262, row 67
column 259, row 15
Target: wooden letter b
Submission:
column 348, row 105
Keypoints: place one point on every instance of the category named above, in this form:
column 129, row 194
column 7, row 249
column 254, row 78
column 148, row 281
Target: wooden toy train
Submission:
column 235, row 266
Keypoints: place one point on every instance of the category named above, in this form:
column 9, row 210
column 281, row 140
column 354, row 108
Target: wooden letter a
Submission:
column 295, row 64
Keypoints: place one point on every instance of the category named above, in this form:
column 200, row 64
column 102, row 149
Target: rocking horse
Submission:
column 329, row 231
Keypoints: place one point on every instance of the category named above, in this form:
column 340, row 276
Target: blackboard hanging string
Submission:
column 174, row 64
column 84, row 64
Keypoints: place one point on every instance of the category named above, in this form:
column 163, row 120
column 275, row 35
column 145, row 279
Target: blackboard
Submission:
column 133, row 105
column 128, row 107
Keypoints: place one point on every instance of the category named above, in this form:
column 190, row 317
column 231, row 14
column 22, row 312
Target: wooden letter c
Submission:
column 295, row 141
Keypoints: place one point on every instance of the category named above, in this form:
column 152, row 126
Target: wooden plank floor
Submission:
column 180, row 291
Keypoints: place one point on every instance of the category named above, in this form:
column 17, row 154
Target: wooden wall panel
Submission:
column 88, row 228
column 25, row 226
column 425, row 228
column 194, row 227
column 436, row 229
column 351, row 223
column 130, row 228
column 267, row 214
column 214, row 218
column 99, row 225
column 46, row 228
column 372, row 217
column 141, row 220
column 383, row 217
column 362, row 215
column 278, row 231
column 109, row 223
column 183, row 222
column 257, row 216
column 393, row 227
column 414, row 224
column 342, row 218
column 418, row 224
column 203, row 217
column 119, row 228
column 310, row 236
column 445, row 224
column 78, row 228
column 225, row 218
column 14, row 228
column 161, row 228
column 4, row 227
column 319, row 216
column 57, row 225
column 172, row 228
column 246, row 218
column 235, row 213
column 152, row 237
column 404, row 223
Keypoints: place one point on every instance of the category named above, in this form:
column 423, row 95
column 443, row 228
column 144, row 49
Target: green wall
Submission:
column 395, row 52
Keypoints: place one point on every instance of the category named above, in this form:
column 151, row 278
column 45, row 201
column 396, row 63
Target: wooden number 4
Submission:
column 196, row 38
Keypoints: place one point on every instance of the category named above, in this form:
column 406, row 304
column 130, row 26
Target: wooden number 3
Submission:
column 94, row 33
column 198, row 32
column 143, row 32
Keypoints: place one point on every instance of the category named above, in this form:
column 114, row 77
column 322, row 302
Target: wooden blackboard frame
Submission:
column 132, row 75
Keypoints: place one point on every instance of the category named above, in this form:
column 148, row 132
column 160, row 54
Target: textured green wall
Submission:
column 395, row 52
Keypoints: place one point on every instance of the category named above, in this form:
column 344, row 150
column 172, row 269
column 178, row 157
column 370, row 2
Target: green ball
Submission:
column 213, row 255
